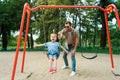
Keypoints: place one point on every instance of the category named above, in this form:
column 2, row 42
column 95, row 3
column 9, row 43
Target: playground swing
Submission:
column 94, row 36
column 28, row 10
column 83, row 54
column 59, row 23
column 86, row 57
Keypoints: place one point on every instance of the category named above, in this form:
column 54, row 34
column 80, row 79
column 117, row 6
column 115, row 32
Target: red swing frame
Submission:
column 27, row 11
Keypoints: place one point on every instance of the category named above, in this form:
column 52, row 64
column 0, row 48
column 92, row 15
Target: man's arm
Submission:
column 76, row 43
column 60, row 35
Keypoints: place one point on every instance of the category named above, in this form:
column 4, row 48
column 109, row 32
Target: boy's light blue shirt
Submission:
column 53, row 47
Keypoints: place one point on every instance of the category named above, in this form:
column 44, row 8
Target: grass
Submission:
column 115, row 50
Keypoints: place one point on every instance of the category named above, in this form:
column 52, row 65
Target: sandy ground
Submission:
column 36, row 67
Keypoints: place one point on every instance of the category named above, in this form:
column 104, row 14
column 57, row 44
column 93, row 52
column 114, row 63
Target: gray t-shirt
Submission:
column 70, row 36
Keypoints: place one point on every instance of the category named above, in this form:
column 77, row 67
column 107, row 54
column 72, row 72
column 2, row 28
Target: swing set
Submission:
column 27, row 12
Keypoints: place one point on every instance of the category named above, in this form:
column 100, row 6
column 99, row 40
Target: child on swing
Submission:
column 53, row 51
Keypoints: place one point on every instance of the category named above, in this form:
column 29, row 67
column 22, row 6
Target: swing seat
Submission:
column 57, row 55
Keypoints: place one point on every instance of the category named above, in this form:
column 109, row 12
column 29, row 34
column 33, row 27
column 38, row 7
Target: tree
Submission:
column 103, row 4
column 11, row 11
column 4, row 23
column 47, row 20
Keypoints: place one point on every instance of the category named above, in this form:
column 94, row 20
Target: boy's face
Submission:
column 53, row 37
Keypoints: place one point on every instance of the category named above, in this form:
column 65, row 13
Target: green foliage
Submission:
column 115, row 36
column 10, row 18
column 118, row 6
column 48, row 21
column 13, row 41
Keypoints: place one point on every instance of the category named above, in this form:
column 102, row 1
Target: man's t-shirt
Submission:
column 70, row 36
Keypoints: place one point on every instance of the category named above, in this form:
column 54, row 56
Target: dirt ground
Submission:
column 36, row 67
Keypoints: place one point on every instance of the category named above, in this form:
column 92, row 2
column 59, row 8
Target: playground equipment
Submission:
column 27, row 11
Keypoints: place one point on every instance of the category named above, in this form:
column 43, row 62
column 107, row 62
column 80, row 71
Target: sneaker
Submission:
column 65, row 67
column 52, row 70
column 72, row 73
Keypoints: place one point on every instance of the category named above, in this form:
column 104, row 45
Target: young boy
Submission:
column 53, row 52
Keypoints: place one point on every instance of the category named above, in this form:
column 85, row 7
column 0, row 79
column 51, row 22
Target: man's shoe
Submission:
column 65, row 67
column 72, row 73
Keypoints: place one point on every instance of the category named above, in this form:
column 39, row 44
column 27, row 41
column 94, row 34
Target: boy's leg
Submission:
column 50, row 62
column 55, row 63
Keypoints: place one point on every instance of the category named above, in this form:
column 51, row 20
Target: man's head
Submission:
column 68, row 25
column 53, row 37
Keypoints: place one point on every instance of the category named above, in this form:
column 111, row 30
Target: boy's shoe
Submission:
column 65, row 67
column 52, row 70
column 72, row 73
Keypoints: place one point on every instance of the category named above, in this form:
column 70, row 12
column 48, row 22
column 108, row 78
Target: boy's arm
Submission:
column 64, row 49
column 36, row 45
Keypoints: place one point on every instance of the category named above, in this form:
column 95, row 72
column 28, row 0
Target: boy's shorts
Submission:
column 53, row 55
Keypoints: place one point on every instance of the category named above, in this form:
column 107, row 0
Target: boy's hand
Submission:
column 68, row 53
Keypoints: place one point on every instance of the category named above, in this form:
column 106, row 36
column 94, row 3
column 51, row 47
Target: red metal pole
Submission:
column 108, row 36
column 18, row 43
column 117, row 17
column 64, row 6
column 116, row 13
column 26, row 36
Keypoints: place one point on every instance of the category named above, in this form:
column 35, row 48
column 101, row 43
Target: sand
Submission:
column 37, row 68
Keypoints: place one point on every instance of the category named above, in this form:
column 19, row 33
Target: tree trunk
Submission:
column 28, row 40
column 103, row 32
column 32, row 43
column 4, row 38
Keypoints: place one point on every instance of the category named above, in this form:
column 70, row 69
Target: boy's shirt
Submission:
column 53, row 47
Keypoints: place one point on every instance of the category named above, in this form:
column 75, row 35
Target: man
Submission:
column 71, row 43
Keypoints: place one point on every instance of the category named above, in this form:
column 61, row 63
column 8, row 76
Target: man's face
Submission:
column 67, row 27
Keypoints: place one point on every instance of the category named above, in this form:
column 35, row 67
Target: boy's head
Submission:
column 53, row 37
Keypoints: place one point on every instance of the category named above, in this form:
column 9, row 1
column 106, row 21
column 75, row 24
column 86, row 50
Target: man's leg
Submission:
column 73, row 60
column 65, row 59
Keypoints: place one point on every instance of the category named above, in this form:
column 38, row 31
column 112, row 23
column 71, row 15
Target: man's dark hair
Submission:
column 68, row 22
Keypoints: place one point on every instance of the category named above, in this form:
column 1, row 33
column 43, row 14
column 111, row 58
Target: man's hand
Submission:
column 73, row 53
column 60, row 35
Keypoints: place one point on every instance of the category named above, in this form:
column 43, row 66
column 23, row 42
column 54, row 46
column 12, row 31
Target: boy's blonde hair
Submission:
column 53, row 34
